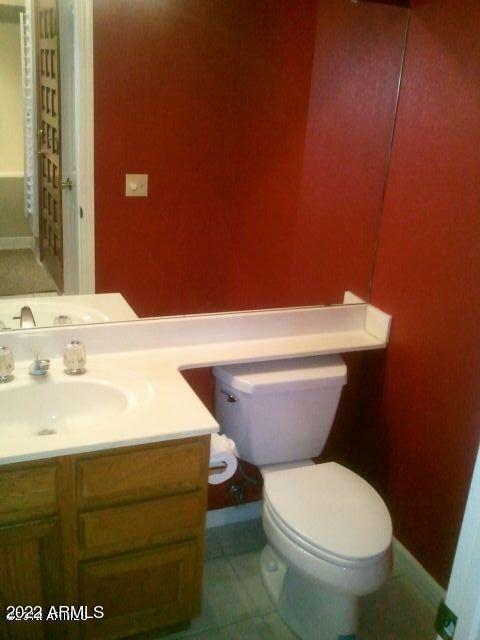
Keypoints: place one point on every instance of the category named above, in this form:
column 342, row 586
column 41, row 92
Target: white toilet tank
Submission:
column 280, row 410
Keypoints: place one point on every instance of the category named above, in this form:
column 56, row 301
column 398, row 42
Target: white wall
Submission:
column 11, row 102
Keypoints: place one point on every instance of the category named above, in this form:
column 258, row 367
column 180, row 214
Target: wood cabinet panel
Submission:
column 147, row 473
column 142, row 523
column 140, row 591
column 123, row 529
column 31, row 574
column 27, row 490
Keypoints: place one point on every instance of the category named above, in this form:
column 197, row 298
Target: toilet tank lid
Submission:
column 284, row 375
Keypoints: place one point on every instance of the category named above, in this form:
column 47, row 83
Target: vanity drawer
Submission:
column 143, row 473
column 141, row 591
column 143, row 523
column 27, row 490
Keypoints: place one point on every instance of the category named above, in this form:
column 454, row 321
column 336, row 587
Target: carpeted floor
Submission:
column 21, row 274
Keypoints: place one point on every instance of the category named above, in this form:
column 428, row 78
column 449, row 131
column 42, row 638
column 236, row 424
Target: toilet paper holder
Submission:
column 218, row 468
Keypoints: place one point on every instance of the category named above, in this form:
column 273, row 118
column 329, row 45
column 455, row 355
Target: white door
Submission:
column 463, row 595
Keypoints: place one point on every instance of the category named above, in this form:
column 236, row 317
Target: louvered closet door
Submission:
column 49, row 142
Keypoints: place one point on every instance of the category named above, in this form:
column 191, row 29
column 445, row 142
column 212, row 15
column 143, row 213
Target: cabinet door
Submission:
column 30, row 574
column 141, row 591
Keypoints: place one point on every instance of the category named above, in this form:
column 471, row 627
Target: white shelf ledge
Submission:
column 276, row 333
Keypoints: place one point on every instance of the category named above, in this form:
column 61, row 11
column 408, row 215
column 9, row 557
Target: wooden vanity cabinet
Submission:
column 30, row 539
column 122, row 529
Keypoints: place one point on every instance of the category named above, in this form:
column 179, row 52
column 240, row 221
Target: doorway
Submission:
column 43, row 239
column 20, row 270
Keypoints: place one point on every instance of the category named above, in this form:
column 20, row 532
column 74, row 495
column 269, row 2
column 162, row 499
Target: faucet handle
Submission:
column 6, row 364
column 39, row 366
column 41, row 361
column 75, row 358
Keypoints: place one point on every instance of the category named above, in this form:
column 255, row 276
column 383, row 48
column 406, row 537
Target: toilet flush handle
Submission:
column 230, row 397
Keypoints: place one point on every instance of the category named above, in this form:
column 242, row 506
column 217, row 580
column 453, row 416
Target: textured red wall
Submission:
column 210, row 99
column 249, row 205
column 358, row 55
column 427, row 275
column 274, row 81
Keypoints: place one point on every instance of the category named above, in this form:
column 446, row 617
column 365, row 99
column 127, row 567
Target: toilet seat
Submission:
column 329, row 512
column 303, row 545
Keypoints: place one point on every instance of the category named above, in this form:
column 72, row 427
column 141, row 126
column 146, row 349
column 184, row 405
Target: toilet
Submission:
column 329, row 533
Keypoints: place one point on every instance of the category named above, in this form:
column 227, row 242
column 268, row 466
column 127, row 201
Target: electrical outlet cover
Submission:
column 136, row 185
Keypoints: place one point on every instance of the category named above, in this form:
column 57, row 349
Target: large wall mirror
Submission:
column 189, row 156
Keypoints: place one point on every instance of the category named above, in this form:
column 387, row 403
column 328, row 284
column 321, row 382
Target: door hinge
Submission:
column 446, row 622
column 66, row 184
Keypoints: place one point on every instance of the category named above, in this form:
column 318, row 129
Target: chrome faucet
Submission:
column 27, row 321
column 39, row 367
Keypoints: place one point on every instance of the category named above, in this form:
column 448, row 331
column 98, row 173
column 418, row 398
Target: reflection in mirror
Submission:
column 40, row 112
column 262, row 191
column 234, row 206
column 47, row 311
column 31, row 229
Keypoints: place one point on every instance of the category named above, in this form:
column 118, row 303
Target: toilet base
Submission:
column 311, row 611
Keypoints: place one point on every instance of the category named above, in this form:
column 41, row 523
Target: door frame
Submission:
column 83, row 280
column 463, row 594
column 68, row 145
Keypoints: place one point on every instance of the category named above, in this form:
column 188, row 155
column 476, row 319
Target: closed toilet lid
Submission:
column 332, row 509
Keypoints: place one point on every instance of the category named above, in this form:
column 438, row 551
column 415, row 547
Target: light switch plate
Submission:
column 136, row 185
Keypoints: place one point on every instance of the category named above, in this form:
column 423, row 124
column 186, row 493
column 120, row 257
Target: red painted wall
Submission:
column 256, row 159
column 273, row 81
column 427, row 275
column 358, row 55
column 210, row 99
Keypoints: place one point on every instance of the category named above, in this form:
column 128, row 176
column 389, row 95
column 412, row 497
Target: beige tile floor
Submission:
column 237, row 607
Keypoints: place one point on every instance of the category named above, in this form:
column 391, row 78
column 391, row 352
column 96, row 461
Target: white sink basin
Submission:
column 123, row 399
column 51, row 310
column 48, row 312
column 57, row 406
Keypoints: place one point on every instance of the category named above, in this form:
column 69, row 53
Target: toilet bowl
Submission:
column 329, row 537
column 329, row 532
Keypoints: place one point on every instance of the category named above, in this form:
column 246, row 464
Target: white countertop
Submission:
column 153, row 352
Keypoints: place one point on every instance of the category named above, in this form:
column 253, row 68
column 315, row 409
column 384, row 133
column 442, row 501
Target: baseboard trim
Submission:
column 11, row 174
column 231, row 515
column 18, row 242
column 406, row 564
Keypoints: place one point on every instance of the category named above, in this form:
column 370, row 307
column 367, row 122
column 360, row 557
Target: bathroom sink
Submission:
column 48, row 312
column 53, row 310
column 49, row 407
column 122, row 399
